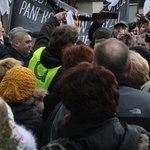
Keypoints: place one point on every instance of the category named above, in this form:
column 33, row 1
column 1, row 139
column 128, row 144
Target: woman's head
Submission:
column 74, row 54
column 89, row 92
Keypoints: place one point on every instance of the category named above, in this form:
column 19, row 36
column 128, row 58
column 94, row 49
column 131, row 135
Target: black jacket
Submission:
column 25, row 113
column 10, row 52
column 133, row 108
column 109, row 135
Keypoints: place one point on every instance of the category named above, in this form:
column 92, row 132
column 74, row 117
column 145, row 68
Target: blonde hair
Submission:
column 6, row 64
column 140, row 72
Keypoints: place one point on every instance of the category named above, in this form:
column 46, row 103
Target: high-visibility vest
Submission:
column 44, row 76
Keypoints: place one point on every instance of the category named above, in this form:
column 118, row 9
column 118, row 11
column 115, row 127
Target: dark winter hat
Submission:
column 123, row 23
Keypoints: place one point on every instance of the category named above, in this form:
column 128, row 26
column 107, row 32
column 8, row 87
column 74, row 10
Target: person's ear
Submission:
column 130, row 68
column 15, row 43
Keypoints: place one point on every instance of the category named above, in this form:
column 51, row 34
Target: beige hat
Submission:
column 123, row 23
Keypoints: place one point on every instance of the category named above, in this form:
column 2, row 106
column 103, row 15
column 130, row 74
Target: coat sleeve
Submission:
column 45, row 33
column 92, row 29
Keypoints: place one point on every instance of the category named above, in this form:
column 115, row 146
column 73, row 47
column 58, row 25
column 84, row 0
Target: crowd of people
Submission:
column 57, row 93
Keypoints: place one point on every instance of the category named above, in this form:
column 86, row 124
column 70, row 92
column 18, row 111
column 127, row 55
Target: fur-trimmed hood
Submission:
column 38, row 96
column 143, row 142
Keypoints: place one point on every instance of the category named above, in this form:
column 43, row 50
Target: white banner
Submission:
column 113, row 3
column 4, row 6
column 146, row 7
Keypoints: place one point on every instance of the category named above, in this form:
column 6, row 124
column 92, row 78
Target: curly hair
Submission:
column 63, row 36
column 74, row 54
column 89, row 92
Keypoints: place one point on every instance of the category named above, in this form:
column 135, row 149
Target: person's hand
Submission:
column 61, row 15
column 136, row 19
column 132, row 40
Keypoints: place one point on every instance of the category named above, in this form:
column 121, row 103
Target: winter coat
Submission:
column 10, row 52
column 109, row 135
column 26, row 113
column 133, row 108
column 134, row 105
column 25, row 138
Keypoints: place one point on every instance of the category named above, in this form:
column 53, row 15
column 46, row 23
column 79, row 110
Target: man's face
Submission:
column 144, row 28
column 25, row 46
column 3, row 31
column 141, row 42
column 135, row 31
column 120, row 29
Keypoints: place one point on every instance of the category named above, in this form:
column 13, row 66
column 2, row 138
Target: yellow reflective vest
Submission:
column 43, row 75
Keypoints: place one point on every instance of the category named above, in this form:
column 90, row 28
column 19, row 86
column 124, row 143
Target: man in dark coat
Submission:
column 20, row 46
column 134, row 105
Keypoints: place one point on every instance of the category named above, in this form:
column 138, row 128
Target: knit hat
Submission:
column 18, row 84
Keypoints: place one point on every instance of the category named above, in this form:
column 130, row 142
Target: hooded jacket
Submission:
column 49, row 59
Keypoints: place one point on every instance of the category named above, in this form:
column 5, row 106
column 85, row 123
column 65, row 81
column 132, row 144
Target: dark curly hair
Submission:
column 89, row 92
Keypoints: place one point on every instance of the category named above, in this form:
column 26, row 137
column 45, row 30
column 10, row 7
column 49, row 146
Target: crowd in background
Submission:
column 58, row 93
